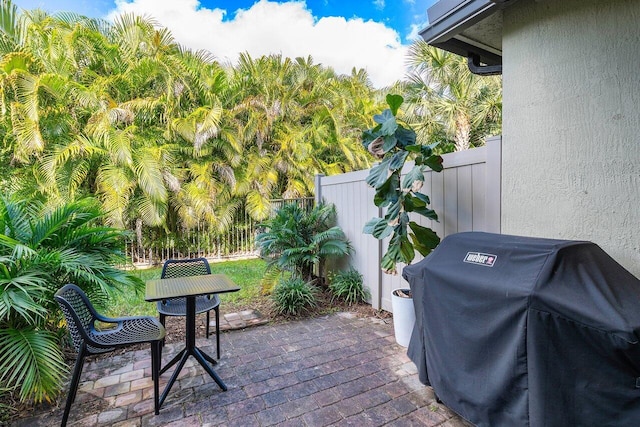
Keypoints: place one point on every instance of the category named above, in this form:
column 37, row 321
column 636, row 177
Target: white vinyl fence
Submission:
column 465, row 195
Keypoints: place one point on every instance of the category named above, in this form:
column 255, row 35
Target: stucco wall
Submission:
column 571, row 123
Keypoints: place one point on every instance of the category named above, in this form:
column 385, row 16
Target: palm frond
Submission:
column 115, row 188
column 149, row 175
column 152, row 212
column 31, row 361
column 258, row 205
column 21, row 294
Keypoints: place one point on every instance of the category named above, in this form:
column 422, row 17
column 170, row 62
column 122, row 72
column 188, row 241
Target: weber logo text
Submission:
column 487, row 260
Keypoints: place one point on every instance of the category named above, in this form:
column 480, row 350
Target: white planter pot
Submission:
column 404, row 317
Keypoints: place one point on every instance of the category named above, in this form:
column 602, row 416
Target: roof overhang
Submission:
column 467, row 28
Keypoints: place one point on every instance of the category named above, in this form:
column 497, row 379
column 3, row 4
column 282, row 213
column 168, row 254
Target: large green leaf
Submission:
column 406, row 137
column 427, row 150
column 415, row 174
column 389, row 127
column 407, row 250
column 393, row 212
column 413, row 148
column 371, row 225
column 383, row 199
column 424, row 239
column 370, row 135
column 379, row 174
column 394, row 102
column 390, row 259
column 400, row 249
column 434, row 162
column 427, row 213
column 390, row 143
column 389, row 192
column 423, row 197
column 397, row 160
column 378, row 227
column 418, row 205
column 412, row 203
column 385, row 116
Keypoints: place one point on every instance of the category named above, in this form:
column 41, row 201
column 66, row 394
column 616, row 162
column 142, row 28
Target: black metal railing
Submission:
column 204, row 240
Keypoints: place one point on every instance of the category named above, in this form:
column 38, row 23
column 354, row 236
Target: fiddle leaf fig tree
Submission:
column 393, row 143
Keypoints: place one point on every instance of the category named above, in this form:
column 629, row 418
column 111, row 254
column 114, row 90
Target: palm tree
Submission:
column 165, row 137
column 294, row 119
column 446, row 99
column 129, row 116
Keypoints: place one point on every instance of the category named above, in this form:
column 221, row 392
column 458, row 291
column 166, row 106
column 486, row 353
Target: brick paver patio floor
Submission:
column 334, row 370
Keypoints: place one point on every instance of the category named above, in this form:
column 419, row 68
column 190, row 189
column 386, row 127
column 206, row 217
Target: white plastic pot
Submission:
column 404, row 316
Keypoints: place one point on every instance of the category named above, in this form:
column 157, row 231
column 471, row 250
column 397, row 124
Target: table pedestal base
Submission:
column 190, row 350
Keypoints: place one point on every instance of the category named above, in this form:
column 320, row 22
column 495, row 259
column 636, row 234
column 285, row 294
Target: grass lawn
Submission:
column 245, row 273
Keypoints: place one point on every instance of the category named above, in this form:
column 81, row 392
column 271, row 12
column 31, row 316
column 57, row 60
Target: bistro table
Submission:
column 189, row 287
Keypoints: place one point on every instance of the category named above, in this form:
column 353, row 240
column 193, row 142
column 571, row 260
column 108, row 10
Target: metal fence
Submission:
column 205, row 241
column 306, row 203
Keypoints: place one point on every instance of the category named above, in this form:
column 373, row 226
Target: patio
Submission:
column 332, row 370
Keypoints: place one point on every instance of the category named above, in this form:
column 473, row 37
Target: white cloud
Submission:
column 286, row 28
column 414, row 34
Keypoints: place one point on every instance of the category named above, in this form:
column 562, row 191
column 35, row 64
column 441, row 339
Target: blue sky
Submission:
column 370, row 34
column 400, row 15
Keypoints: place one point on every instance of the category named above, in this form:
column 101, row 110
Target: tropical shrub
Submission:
column 293, row 296
column 296, row 240
column 347, row 286
column 393, row 144
column 40, row 251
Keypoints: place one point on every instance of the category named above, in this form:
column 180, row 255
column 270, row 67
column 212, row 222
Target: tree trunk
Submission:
column 463, row 132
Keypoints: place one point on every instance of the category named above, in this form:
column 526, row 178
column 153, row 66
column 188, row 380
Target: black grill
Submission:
column 515, row 331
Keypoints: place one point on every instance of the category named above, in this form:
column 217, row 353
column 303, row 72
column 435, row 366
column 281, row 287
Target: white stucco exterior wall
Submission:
column 571, row 123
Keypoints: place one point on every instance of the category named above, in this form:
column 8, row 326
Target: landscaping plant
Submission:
column 294, row 296
column 297, row 240
column 347, row 286
column 40, row 251
column 393, row 144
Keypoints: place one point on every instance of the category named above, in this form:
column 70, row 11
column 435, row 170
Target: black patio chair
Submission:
column 178, row 306
column 109, row 334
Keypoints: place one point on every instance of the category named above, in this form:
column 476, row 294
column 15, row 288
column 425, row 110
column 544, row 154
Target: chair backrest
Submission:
column 185, row 267
column 78, row 312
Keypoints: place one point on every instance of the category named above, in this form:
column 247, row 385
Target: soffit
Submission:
column 467, row 27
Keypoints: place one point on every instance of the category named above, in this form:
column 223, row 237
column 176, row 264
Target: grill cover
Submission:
column 518, row 331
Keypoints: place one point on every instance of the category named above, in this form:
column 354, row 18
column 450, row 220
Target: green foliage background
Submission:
column 164, row 136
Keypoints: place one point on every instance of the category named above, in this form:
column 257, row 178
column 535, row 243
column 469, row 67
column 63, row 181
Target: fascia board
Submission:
column 463, row 15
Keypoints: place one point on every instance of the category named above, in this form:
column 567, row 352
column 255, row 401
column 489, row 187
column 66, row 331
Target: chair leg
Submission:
column 162, row 318
column 207, row 327
column 73, row 387
column 162, row 321
column 156, row 348
column 217, row 309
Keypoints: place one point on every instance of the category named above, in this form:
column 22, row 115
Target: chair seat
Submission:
column 178, row 306
column 83, row 322
column 128, row 331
